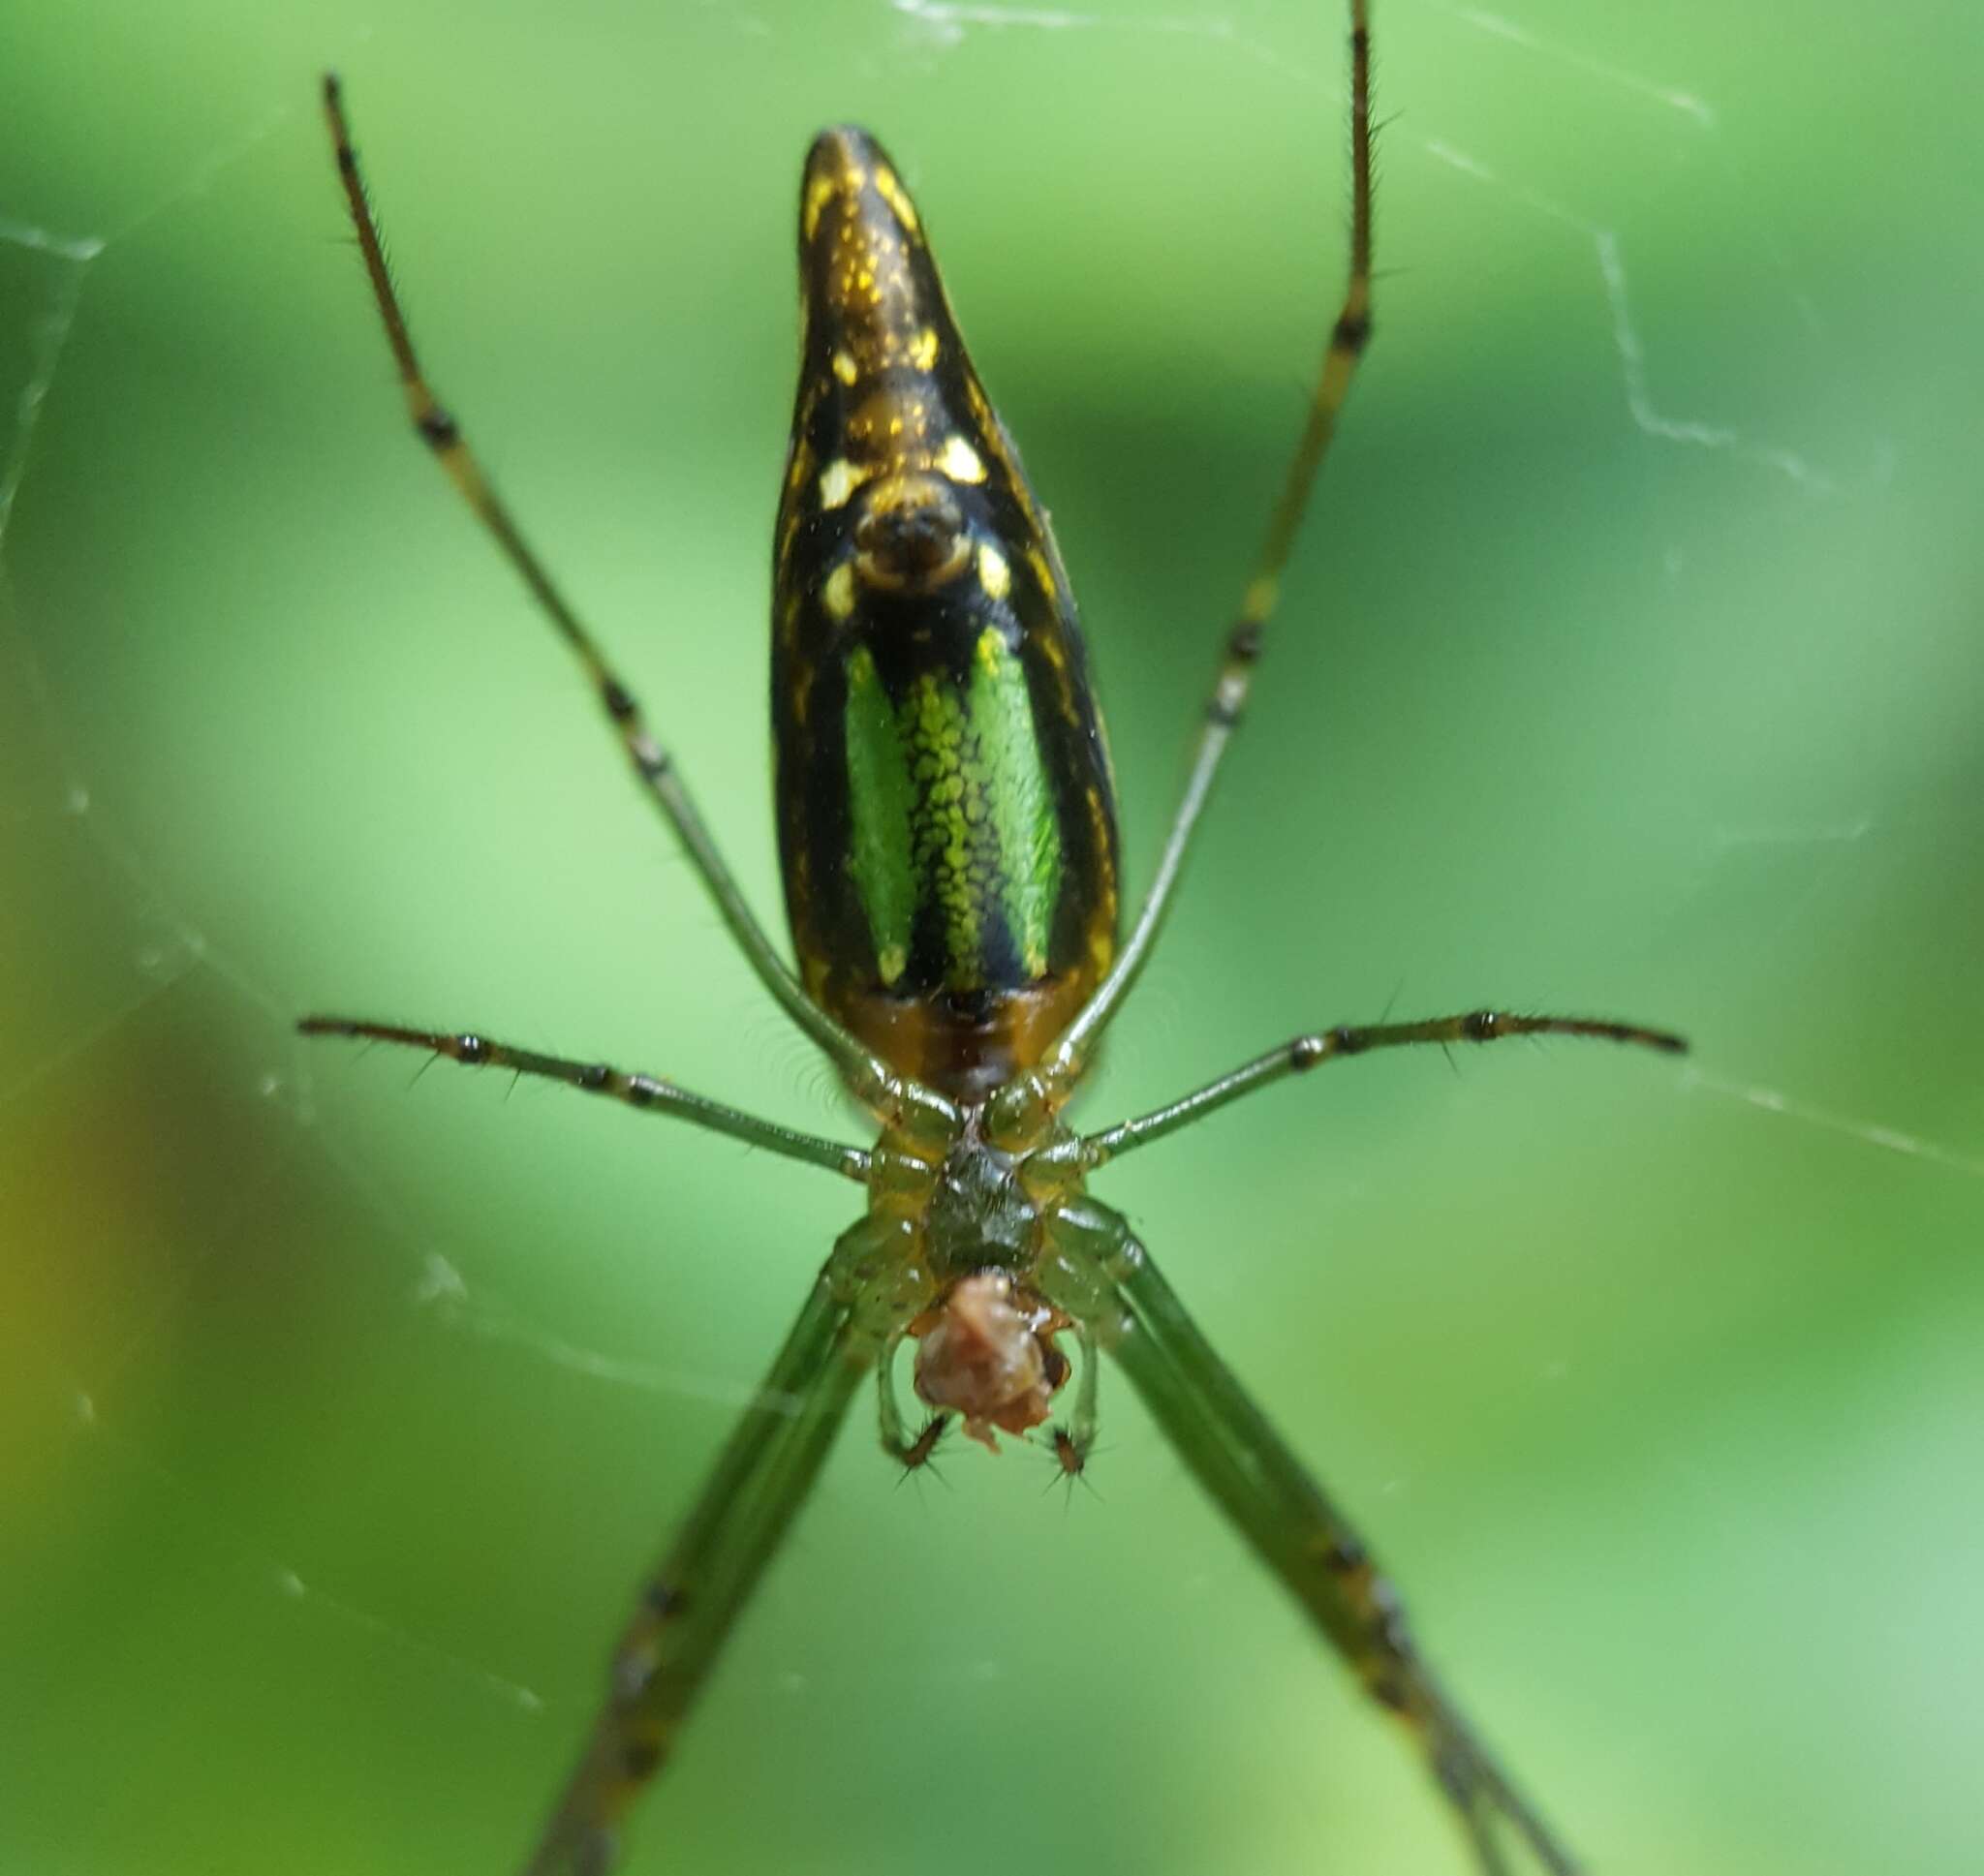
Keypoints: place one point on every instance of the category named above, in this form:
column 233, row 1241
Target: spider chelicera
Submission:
column 949, row 842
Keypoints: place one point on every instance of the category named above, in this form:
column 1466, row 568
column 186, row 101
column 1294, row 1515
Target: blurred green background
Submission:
column 1632, row 664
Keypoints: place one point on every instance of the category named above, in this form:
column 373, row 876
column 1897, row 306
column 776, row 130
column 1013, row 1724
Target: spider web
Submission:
column 345, row 1410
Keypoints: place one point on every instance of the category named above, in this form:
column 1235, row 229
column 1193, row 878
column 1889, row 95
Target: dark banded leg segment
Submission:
column 1345, row 347
column 1302, row 1053
column 649, row 1093
column 1296, row 1530
column 437, row 428
column 693, row 1601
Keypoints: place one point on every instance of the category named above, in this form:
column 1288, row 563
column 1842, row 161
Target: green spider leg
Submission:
column 1348, row 335
column 691, row 1601
column 1291, row 1525
column 911, row 1451
column 1079, row 1429
column 436, row 426
column 649, row 1093
column 864, row 1296
column 1302, row 1053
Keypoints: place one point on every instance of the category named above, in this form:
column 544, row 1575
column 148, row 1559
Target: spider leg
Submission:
column 1294, row 1530
column 1080, row 1430
column 1345, row 347
column 652, row 764
column 693, row 1600
column 649, row 1092
column 910, row 1451
column 1301, row 1052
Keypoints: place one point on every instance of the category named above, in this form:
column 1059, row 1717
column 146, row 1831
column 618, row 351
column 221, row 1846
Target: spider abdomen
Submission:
column 946, row 819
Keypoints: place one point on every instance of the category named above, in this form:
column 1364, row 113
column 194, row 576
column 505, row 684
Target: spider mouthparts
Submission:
column 987, row 1357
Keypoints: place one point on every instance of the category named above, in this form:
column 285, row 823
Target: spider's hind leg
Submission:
column 1294, row 1530
column 694, row 1597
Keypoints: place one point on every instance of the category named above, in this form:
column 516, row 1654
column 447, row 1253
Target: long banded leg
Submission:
column 1347, row 338
column 438, row 430
column 1301, row 1052
column 649, row 1092
column 690, row 1605
column 1299, row 1534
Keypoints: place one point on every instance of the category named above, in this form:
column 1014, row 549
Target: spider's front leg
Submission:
column 1291, row 1524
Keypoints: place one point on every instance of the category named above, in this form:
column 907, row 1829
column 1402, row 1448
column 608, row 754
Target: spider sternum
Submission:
column 973, row 1204
column 980, row 1216
column 981, row 1196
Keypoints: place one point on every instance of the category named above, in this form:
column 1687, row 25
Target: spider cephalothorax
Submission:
column 968, row 1224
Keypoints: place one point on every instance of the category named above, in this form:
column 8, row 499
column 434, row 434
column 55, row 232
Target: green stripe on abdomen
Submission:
column 952, row 810
column 883, row 801
column 1022, row 804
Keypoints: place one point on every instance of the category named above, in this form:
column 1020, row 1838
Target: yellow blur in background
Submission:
column 1630, row 665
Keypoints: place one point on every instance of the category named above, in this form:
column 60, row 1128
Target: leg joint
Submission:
column 641, row 1759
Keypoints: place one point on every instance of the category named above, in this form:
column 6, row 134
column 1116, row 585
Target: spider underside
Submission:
column 948, row 842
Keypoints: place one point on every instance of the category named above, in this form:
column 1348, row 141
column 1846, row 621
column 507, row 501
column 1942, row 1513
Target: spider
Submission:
column 948, row 847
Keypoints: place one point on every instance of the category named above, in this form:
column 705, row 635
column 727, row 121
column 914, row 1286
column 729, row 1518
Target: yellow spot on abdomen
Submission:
column 837, row 594
column 816, row 199
column 838, row 480
column 994, row 574
column 895, row 195
column 960, row 461
column 845, row 368
column 1042, row 572
column 923, row 349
